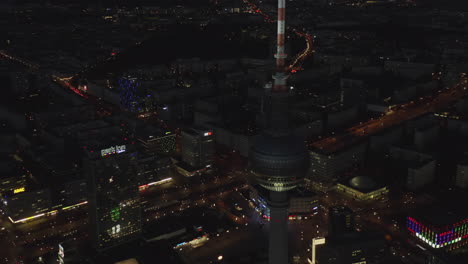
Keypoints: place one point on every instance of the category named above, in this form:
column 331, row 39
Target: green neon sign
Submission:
column 115, row 214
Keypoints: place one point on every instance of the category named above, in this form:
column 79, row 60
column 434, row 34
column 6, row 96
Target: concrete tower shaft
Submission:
column 278, row 240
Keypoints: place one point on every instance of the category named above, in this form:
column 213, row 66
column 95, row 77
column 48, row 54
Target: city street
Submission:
column 402, row 113
column 39, row 236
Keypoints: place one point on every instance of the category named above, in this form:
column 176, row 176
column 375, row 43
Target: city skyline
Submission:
column 234, row 131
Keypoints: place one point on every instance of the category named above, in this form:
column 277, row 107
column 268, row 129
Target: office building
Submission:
column 74, row 192
column 340, row 221
column 13, row 176
column 303, row 202
column 198, row 147
column 352, row 248
column 113, row 195
column 152, row 141
column 327, row 163
column 419, row 168
column 344, row 245
column 154, row 170
column 26, row 205
column 439, row 227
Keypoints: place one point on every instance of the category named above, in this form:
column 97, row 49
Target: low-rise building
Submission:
column 363, row 188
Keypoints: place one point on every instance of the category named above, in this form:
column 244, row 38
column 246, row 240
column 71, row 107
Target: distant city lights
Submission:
column 19, row 190
column 53, row 212
column 145, row 186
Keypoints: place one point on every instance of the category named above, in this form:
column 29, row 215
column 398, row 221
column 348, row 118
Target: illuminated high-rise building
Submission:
column 198, row 147
column 113, row 196
column 154, row 141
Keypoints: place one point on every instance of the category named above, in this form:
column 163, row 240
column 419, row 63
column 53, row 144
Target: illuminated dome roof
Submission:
column 362, row 183
column 279, row 162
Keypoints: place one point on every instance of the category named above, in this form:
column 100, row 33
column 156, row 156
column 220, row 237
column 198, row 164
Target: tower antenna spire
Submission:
column 280, row 76
column 280, row 92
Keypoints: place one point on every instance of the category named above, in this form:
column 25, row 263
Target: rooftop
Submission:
column 151, row 132
column 363, row 184
column 9, row 167
column 440, row 215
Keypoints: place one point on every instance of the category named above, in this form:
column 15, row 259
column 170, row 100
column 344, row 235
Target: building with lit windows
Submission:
column 198, row 147
column 340, row 221
column 153, row 141
column 362, row 188
column 439, row 228
column 344, row 245
column 23, row 192
column 13, row 177
column 352, row 248
column 154, row 170
column 326, row 164
column 134, row 96
column 26, row 205
column 113, row 195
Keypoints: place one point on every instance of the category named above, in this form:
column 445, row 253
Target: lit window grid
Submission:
column 128, row 93
column 452, row 233
column 167, row 144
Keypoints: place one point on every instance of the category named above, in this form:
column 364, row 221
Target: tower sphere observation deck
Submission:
column 279, row 162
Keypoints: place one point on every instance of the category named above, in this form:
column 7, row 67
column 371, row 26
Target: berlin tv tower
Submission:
column 278, row 161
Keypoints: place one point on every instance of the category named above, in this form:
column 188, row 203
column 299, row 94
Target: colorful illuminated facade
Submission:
column 451, row 236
